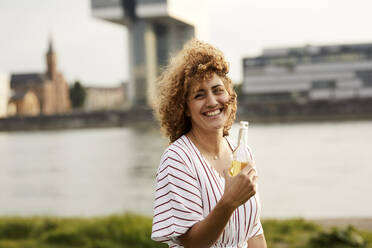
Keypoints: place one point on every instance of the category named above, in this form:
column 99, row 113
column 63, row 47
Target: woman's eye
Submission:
column 198, row 96
column 219, row 90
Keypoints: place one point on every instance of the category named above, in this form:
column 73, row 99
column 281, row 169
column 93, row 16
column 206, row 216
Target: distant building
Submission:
column 50, row 88
column 24, row 103
column 309, row 73
column 156, row 29
column 4, row 94
column 105, row 98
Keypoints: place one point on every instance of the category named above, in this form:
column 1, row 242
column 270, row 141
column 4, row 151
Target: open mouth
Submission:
column 214, row 112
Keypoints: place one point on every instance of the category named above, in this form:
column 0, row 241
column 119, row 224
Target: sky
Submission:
column 95, row 51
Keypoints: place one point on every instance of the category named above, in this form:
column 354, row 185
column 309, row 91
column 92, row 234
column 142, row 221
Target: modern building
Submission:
column 156, row 29
column 309, row 73
column 4, row 93
column 105, row 98
column 50, row 88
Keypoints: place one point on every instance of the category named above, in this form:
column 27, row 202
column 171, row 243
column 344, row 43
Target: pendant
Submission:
column 215, row 157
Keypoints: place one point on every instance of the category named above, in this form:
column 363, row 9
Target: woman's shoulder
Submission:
column 179, row 148
column 179, row 153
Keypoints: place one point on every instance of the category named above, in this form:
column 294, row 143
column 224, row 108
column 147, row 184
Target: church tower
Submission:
column 51, row 61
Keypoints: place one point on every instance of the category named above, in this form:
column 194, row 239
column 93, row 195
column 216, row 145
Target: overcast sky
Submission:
column 94, row 51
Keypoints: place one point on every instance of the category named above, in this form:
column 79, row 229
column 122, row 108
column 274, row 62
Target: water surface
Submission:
column 312, row 170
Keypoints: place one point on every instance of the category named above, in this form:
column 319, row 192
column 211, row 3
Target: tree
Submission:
column 77, row 95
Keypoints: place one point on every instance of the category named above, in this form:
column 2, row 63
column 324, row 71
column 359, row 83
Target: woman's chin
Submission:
column 216, row 126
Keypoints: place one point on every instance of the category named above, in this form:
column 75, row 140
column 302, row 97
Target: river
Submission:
column 311, row 170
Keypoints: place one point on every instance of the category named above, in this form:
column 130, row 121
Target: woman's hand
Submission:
column 240, row 188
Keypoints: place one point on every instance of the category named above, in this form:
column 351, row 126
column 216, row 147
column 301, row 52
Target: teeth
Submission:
column 216, row 112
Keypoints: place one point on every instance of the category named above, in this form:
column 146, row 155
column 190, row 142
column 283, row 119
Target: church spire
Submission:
column 50, row 48
column 51, row 60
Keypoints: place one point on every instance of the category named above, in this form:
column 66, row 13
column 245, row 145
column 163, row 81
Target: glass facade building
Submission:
column 309, row 73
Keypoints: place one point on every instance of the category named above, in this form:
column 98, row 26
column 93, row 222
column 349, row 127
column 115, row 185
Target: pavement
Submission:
column 359, row 223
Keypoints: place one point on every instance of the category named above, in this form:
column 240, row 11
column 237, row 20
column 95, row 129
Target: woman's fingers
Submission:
column 248, row 167
column 249, row 172
column 240, row 187
column 226, row 174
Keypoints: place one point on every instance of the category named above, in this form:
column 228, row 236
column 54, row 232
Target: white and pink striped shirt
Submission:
column 187, row 190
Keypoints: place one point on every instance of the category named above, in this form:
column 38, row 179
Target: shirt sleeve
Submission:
column 256, row 230
column 178, row 204
column 257, row 226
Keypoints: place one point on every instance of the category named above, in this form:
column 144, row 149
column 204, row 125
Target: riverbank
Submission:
column 360, row 223
column 286, row 111
column 258, row 112
column 76, row 120
column 131, row 230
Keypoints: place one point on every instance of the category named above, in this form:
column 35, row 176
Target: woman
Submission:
column 197, row 203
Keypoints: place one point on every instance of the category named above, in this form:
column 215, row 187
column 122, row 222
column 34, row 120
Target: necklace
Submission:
column 215, row 157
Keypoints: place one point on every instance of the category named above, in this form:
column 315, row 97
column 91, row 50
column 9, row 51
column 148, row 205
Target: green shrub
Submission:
column 288, row 233
column 133, row 231
column 24, row 228
column 338, row 238
column 128, row 230
column 105, row 244
column 16, row 228
column 8, row 244
column 367, row 236
column 19, row 244
column 66, row 236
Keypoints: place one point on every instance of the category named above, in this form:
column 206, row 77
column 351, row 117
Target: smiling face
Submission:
column 206, row 104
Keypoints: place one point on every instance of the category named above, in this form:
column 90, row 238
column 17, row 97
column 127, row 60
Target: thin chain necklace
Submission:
column 215, row 157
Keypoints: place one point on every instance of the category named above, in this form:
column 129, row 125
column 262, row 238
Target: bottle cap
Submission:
column 244, row 124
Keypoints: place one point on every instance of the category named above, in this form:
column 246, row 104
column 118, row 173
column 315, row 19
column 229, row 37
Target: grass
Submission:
column 131, row 230
column 127, row 230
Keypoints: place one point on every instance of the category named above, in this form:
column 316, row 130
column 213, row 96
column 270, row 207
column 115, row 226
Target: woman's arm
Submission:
column 238, row 190
column 206, row 232
column 257, row 242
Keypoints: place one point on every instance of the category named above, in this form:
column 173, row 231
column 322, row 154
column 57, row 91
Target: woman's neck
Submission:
column 210, row 142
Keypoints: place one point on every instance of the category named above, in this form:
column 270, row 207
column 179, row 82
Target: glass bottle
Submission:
column 241, row 155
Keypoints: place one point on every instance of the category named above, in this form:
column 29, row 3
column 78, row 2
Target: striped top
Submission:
column 187, row 189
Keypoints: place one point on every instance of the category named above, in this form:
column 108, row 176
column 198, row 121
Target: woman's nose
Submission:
column 211, row 100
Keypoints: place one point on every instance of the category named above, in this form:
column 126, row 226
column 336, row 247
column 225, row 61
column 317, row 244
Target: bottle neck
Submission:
column 243, row 137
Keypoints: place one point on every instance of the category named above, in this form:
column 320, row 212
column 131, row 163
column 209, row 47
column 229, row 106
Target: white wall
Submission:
column 4, row 93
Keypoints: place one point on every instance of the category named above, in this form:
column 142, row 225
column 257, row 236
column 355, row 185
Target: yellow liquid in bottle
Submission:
column 236, row 167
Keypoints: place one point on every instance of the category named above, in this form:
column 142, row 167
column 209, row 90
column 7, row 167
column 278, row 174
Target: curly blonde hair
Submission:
column 196, row 62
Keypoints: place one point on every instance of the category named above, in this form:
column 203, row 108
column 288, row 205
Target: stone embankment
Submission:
column 264, row 112
column 290, row 111
column 77, row 120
